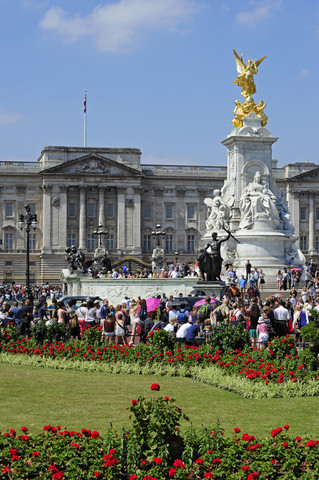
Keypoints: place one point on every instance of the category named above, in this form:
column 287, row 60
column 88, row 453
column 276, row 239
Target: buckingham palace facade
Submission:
column 74, row 189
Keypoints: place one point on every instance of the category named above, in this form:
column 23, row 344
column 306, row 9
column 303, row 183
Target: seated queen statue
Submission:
column 257, row 203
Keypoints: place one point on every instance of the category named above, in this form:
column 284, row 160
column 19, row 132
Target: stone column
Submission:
column 63, row 215
column 121, row 237
column 137, row 220
column 21, row 202
column 82, row 218
column 311, row 247
column 180, row 219
column 295, row 212
column 46, row 218
column 102, row 206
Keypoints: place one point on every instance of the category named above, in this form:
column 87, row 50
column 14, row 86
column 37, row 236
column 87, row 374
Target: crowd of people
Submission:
column 131, row 321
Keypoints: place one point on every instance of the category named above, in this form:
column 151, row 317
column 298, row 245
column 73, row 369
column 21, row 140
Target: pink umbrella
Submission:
column 277, row 295
column 200, row 302
column 295, row 269
column 152, row 303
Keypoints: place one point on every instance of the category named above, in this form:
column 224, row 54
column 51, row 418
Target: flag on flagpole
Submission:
column 85, row 102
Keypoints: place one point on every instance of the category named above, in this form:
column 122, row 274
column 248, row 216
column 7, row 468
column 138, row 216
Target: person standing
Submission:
column 192, row 332
column 248, row 269
column 281, row 319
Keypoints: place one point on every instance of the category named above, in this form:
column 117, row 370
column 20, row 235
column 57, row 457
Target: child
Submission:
column 262, row 332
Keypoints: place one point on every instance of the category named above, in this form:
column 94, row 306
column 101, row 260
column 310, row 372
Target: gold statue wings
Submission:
column 241, row 67
column 245, row 79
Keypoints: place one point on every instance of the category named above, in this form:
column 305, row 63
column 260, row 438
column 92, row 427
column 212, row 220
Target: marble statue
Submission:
column 257, row 202
column 219, row 212
column 284, row 213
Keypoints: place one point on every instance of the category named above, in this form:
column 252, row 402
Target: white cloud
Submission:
column 304, row 73
column 262, row 10
column 118, row 27
column 8, row 118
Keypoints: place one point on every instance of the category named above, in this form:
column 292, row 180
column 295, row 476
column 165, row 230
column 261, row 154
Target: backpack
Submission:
column 233, row 317
column 182, row 317
column 143, row 315
column 203, row 312
column 219, row 316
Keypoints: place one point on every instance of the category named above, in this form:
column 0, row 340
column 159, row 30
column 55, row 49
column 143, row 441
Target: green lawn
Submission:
column 36, row 397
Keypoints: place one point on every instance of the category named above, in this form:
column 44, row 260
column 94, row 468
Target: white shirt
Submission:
column 282, row 314
column 169, row 328
column 181, row 332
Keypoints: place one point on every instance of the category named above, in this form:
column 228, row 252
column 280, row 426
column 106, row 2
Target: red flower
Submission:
column 158, row 461
column 13, row 432
column 178, row 463
column 208, row 475
column 75, row 445
column 311, row 443
column 6, row 470
column 245, row 468
column 155, row 386
column 134, row 402
column 172, row 472
column 166, row 398
column 112, row 451
column 217, row 460
column 24, row 429
column 237, row 430
column 294, row 379
column 210, row 452
column 199, row 461
column 276, row 431
column 285, row 444
column 98, row 474
column 58, row 476
column 111, row 462
column 286, row 427
column 298, row 439
column 133, row 477
column 35, row 454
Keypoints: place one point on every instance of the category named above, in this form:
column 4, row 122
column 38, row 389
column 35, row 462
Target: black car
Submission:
column 78, row 300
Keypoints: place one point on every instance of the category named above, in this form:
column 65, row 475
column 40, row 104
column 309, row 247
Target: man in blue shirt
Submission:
column 192, row 333
column 242, row 285
column 16, row 312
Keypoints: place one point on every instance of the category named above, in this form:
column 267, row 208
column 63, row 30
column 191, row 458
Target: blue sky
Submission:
column 159, row 75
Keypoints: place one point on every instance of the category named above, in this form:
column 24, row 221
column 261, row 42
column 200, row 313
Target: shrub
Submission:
column 162, row 340
column 229, row 337
column 43, row 333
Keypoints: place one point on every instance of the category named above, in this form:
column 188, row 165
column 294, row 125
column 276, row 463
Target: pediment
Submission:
column 310, row 175
column 92, row 164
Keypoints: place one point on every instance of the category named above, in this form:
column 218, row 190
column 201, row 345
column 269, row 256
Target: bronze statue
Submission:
column 76, row 259
column 101, row 264
column 210, row 260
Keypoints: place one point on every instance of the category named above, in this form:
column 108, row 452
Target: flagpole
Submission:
column 84, row 118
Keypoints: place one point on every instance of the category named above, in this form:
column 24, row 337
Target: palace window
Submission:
column 169, row 212
column 147, row 211
column 8, row 241
column 71, row 210
column 90, row 241
column 32, row 241
column 110, row 210
column 9, row 209
column 190, row 243
column 91, row 210
column 303, row 213
column 71, row 239
column 32, row 208
column 303, row 242
column 110, row 241
column 169, row 243
column 190, row 212
column 147, row 242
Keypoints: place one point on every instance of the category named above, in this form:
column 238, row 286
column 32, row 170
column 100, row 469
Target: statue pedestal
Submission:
column 211, row 288
column 268, row 249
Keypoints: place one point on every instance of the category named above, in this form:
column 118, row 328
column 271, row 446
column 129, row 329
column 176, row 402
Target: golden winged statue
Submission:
column 245, row 79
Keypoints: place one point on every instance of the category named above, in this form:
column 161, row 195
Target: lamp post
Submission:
column 158, row 233
column 26, row 221
column 176, row 255
column 99, row 232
